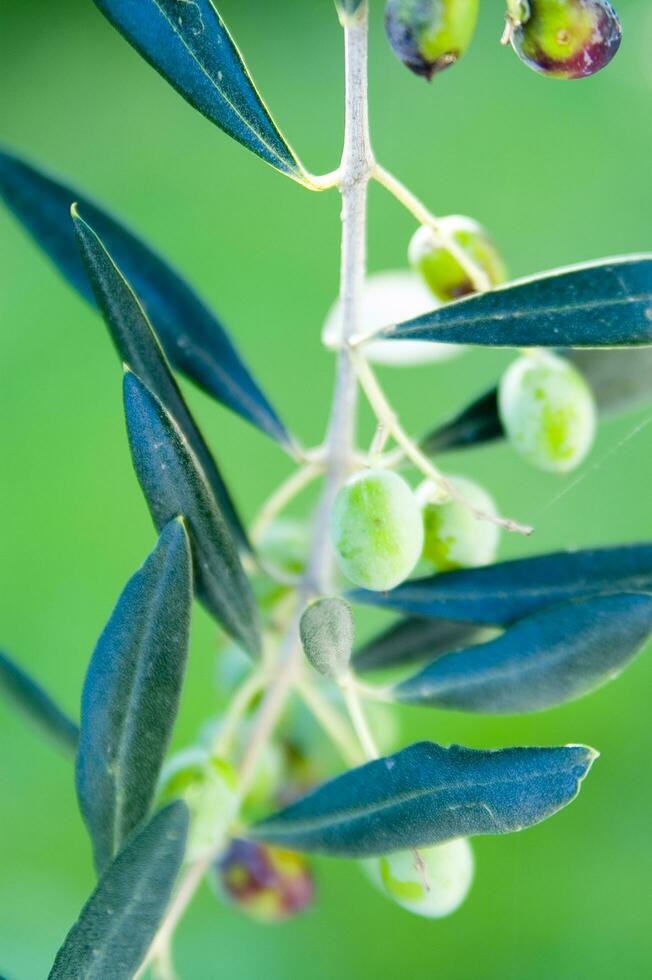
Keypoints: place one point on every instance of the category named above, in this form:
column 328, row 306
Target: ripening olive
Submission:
column 567, row 38
column 453, row 536
column 208, row 787
column 387, row 298
column 548, row 411
column 442, row 272
column 266, row 883
column 433, row 890
column 377, row 529
column 430, row 35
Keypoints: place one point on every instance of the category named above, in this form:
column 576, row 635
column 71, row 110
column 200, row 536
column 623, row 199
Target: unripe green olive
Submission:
column 387, row 298
column 548, row 411
column 567, row 38
column 433, row 890
column 430, row 35
column 442, row 272
column 377, row 529
column 266, row 883
column 208, row 787
column 453, row 536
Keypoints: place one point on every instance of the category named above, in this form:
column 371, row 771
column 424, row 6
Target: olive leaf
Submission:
column 327, row 633
column 427, row 794
column 598, row 304
column 620, row 379
column 554, row 656
column 138, row 346
column 116, row 927
column 413, row 639
column 131, row 695
column 497, row 595
column 347, row 8
column 187, row 42
column 174, row 483
column 30, row 698
column 193, row 338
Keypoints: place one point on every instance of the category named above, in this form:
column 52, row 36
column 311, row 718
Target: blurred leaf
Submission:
column 554, row 656
column 348, row 7
column 187, row 42
column 620, row 380
column 327, row 634
column 138, row 346
column 39, row 707
column 174, row 484
column 427, row 794
column 600, row 304
column 131, row 695
column 116, row 927
column 192, row 337
column 413, row 639
column 497, row 595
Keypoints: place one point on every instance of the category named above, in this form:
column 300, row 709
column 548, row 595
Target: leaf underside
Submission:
column 131, row 695
column 554, row 656
column 187, row 42
column 427, row 794
column 30, row 698
column 500, row 594
column 193, row 338
column 601, row 304
column 116, row 926
column 174, row 484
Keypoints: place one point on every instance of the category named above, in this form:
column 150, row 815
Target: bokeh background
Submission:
column 560, row 173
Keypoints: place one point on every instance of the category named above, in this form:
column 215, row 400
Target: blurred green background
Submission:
column 559, row 172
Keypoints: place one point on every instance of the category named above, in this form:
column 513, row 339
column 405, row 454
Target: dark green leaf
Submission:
column 187, row 42
column 546, row 659
column 428, row 794
column 412, row 640
column 116, row 927
column 348, row 7
column 174, row 484
column 39, row 707
column 600, row 304
column 193, row 338
column 498, row 595
column 619, row 379
column 138, row 346
column 131, row 695
column 327, row 634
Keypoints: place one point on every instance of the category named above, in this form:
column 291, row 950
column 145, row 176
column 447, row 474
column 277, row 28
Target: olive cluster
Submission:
column 558, row 38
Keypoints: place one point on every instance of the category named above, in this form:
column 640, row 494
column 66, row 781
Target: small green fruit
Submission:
column 567, row 38
column 266, row 883
column 548, row 411
column 442, row 272
column 430, row 35
column 447, row 870
column 377, row 529
column 453, row 536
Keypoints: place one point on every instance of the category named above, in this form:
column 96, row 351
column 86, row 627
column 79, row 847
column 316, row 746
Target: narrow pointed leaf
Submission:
column 620, row 380
column 115, row 929
column 498, row 595
column 546, row 659
column 187, row 42
column 174, row 484
column 412, row 640
column 427, row 794
column 131, row 695
column 37, row 704
column 138, row 346
column 600, row 304
column 193, row 338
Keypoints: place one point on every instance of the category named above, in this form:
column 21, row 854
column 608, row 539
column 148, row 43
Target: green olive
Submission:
column 453, row 536
column 430, row 35
column 377, row 529
column 441, row 271
column 548, row 411
column 434, row 886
